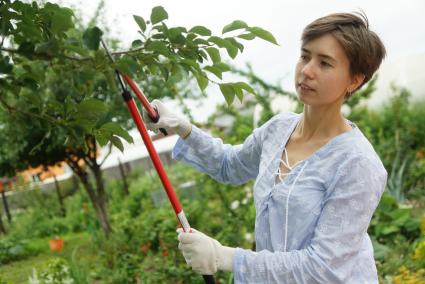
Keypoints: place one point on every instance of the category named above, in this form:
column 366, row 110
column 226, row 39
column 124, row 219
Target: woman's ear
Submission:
column 356, row 81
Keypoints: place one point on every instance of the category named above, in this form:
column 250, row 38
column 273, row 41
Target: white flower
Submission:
column 249, row 237
column 234, row 205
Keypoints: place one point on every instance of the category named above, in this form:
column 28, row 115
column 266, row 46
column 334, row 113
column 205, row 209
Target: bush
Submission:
column 55, row 271
column 15, row 250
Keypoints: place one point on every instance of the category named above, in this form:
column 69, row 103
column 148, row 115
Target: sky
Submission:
column 400, row 25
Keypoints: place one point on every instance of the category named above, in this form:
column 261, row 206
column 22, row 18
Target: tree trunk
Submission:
column 102, row 198
column 99, row 204
column 6, row 206
column 97, row 198
column 123, row 177
column 62, row 207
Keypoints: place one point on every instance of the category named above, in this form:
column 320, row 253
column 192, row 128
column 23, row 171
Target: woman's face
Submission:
column 322, row 75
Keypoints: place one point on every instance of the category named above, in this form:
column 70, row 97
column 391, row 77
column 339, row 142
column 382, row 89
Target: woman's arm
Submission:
column 223, row 162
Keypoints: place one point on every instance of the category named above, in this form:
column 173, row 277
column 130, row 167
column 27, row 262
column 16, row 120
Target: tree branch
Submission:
column 47, row 118
column 107, row 155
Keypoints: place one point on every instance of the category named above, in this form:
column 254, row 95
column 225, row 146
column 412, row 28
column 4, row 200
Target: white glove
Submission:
column 167, row 120
column 204, row 254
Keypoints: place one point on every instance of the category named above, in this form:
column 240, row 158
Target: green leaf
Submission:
column 200, row 41
column 77, row 49
column 235, row 25
column 158, row 14
column 214, row 54
column 246, row 87
column 175, row 35
column 231, row 49
column 191, row 63
column 91, row 38
column 117, row 143
column 158, row 46
column 228, row 92
column 102, row 138
column 238, row 91
column 223, row 67
column 202, row 81
column 235, row 43
column 89, row 112
column 116, row 129
column 50, row 47
column 248, row 36
column 200, row 30
column 216, row 71
column 127, row 65
column 261, row 33
column 390, row 229
column 136, row 43
column 62, row 20
column 381, row 251
column 92, row 107
column 140, row 22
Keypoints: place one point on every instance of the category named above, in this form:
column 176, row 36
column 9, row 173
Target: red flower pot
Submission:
column 56, row 245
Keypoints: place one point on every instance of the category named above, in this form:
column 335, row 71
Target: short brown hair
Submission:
column 363, row 47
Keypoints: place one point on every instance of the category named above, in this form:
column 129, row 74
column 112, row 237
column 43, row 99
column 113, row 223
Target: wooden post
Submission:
column 4, row 198
column 123, row 177
column 2, row 228
column 62, row 207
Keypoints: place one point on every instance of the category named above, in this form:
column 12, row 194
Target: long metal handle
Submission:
column 208, row 279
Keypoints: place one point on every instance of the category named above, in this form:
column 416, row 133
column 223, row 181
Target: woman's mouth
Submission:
column 305, row 87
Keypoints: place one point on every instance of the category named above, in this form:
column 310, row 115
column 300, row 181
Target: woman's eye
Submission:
column 303, row 57
column 325, row 64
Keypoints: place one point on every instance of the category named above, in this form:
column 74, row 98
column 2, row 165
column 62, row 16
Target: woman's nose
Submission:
column 308, row 69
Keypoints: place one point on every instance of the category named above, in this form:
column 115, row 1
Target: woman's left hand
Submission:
column 204, row 254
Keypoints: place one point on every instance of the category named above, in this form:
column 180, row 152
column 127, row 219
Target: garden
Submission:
column 60, row 102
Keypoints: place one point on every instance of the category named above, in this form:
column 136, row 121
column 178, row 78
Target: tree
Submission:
column 58, row 95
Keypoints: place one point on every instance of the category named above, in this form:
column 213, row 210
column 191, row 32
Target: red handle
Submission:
column 151, row 111
column 154, row 156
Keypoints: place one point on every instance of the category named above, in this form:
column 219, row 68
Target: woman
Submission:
column 318, row 179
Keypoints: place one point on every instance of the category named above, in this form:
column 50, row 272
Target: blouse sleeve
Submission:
column 347, row 209
column 223, row 162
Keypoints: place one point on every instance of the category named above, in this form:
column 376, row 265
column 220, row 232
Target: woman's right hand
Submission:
column 167, row 120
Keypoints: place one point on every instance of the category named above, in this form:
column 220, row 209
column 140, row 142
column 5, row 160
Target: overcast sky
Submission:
column 400, row 24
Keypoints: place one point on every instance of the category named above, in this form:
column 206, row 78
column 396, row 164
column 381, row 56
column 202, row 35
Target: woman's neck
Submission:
column 321, row 123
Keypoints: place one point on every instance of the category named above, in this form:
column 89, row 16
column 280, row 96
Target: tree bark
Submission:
column 99, row 204
column 97, row 198
column 102, row 198
column 60, row 198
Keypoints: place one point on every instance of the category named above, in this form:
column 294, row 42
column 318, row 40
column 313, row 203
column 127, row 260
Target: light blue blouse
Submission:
column 311, row 227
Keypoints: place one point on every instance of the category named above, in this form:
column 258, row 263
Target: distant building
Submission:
column 136, row 155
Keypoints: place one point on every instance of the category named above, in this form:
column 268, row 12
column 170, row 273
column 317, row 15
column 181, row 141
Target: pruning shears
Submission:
column 153, row 114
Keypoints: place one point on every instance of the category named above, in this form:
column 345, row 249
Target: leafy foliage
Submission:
column 58, row 98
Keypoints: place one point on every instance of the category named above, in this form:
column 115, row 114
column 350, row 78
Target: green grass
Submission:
column 84, row 256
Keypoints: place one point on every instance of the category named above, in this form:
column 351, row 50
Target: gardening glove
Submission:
column 167, row 120
column 204, row 254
